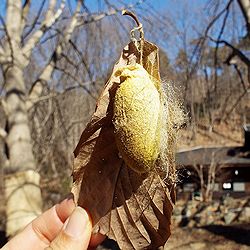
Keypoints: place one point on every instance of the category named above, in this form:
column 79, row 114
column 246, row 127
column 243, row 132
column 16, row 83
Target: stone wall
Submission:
column 227, row 211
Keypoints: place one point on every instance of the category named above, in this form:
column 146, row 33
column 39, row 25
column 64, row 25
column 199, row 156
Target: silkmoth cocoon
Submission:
column 137, row 118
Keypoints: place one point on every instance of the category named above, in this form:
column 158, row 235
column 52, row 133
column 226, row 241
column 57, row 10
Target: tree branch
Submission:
column 25, row 12
column 13, row 30
column 201, row 41
column 235, row 104
column 3, row 58
column 217, row 44
column 35, row 100
column 35, row 20
column 240, row 76
column 14, row 20
column 2, row 53
column 111, row 12
column 82, row 59
column 48, row 21
column 7, row 55
column 79, row 83
column 236, row 51
column 46, row 74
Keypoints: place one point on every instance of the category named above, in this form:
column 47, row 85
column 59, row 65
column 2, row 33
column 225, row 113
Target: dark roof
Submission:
column 225, row 156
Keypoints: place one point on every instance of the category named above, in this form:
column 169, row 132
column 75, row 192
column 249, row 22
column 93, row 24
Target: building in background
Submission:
column 220, row 170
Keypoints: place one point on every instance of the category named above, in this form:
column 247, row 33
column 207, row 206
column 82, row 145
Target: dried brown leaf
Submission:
column 133, row 209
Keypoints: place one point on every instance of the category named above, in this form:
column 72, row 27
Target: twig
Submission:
column 235, row 104
column 53, row 95
column 98, row 17
column 49, row 20
column 34, row 23
column 236, row 51
column 218, row 39
column 202, row 40
column 25, row 12
column 240, row 76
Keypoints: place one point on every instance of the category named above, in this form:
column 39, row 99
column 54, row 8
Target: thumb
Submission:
column 76, row 232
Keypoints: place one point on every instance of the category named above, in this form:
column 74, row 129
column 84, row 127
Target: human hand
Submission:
column 64, row 226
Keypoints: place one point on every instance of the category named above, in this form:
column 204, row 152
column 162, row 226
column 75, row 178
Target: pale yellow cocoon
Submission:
column 137, row 118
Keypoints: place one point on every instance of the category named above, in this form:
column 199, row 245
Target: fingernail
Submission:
column 69, row 197
column 77, row 223
column 69, row 202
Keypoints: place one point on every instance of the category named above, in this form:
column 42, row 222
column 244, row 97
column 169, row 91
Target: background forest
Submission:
column 56, row 55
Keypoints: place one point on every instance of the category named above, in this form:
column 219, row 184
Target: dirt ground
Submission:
column 221, row 135
column 212, row 237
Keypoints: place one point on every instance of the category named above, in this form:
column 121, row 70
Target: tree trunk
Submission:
column 22, row 191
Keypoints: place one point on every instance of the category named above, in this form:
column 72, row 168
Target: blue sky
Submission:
column 93, row 4
column 189, row 15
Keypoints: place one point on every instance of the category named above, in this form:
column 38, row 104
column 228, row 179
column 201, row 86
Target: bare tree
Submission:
column 38, row 50
column 213, row 64
column 236, row 54
column 22, row 181
column 207, row 175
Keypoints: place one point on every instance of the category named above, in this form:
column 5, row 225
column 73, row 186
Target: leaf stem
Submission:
column 131, row 14
column 138, row 44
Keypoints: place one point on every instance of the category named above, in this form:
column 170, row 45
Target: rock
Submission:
column 198, row 246
column 177, row 219
column 191, row 224
column 229, row 217
column 191, row 208
column 230, row 202
column 203, row 215
column 197, row 218
column 211, row 219
column 245, row 215
column 214, row 206
column 188, row 212
column 177, row 210
column 222, row 209
column 210, row 213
